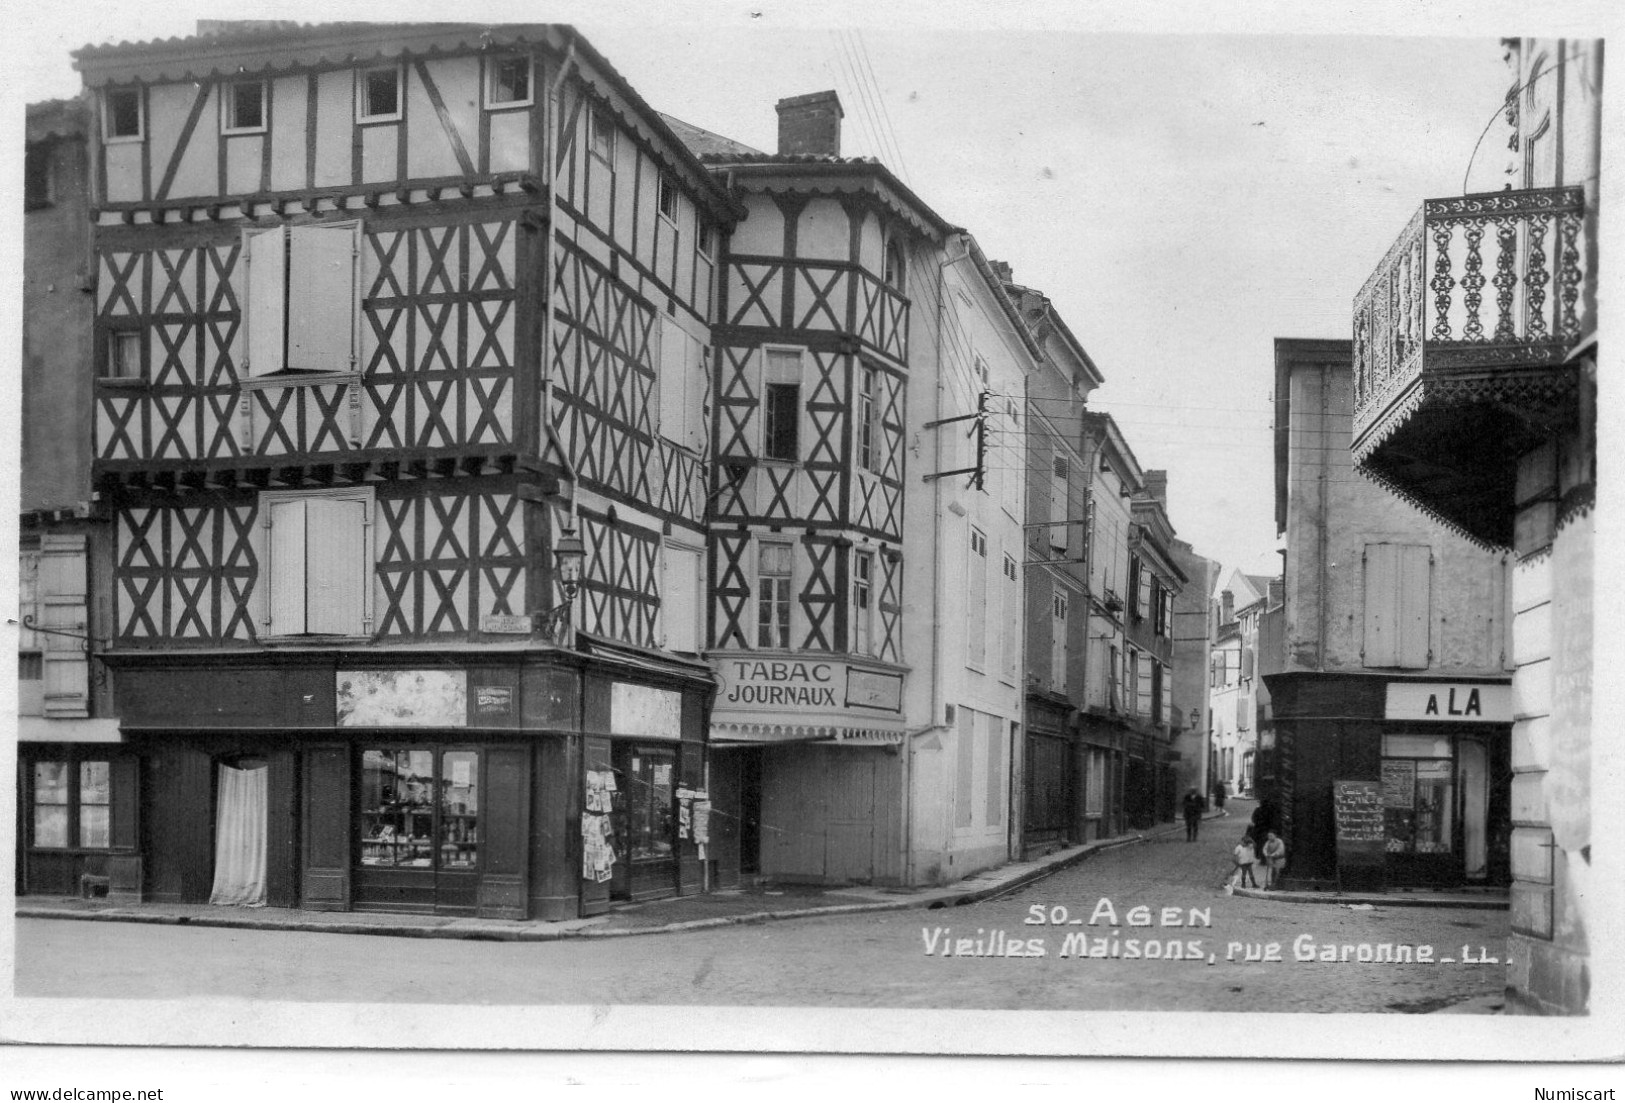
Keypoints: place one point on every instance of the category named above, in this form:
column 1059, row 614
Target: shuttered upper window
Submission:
column 320, row 564
column 302, row 299
column 681, row 614
column 53, row 667
column 1398, row 606
column 683, row 387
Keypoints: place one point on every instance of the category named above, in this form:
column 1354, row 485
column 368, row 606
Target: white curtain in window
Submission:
column 239, row 840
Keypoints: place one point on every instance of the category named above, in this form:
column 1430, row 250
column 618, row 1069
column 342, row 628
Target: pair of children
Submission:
column 1246, row 856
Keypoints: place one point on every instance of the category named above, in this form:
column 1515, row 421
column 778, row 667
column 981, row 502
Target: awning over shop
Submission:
column 38, row 729
column 758, row 734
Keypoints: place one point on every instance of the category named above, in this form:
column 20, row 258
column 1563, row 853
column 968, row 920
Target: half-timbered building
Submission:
column 399, row 352
column 866, row 637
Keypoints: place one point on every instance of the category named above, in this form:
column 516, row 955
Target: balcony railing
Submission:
column 1474, row 283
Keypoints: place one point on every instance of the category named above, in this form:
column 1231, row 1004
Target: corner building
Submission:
column 387, row 317
column 864, row 558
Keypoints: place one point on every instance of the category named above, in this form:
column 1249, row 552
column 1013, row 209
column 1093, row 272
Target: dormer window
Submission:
column 242, row 107
column 378, row 95
column 123, row 116
column 508, row 81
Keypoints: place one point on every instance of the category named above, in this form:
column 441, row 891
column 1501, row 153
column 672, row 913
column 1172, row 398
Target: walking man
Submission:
column 1193, row 813
column 1218, row 797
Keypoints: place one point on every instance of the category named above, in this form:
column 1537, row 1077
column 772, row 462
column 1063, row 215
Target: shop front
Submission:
column 512, row 784
column 1437, row 753
column 809, row 758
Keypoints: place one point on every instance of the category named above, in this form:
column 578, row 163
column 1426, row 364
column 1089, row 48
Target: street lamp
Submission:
column 568, row 556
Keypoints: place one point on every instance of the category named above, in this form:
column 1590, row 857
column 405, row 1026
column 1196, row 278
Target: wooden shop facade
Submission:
column 398, row 356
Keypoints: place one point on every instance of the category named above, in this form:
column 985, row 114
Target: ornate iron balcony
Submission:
column 1478, row 288
column 1462, row 339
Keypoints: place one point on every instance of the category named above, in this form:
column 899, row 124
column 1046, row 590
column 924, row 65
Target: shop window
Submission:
column 242, row 107
column 378, row 95
column 420, row 808
column 72, row 805
column 123, row 115
column 1418, row 794
column 301, row 299
column 508, row 82
column 863, row 603
column 645, row 795
column 773, row 578
column 319, row 563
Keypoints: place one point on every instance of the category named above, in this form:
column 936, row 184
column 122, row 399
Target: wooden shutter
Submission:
column 996, row 776
column 1146, row 693
column 1246, row 662
column 976, row 598
column 1058, row 503
column 504, row 887
column 321, row 298
column 62, row 605
column 267, row 301
column 287, row 550
column 1398, row 605
column 964, row 811
column 1168, row 694
column 673, row 381
column 335, row 565
column 680, row 599
column 694, row 394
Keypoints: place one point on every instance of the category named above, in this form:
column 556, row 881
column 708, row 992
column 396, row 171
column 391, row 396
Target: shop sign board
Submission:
column 800, row 686
column 402, row 698
column 1453, row 702
column 646, row 711
column 1357, row 812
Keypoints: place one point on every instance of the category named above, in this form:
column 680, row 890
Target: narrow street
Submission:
column 863, row 960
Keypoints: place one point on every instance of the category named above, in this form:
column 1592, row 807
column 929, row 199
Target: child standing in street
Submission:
column 1274, row 858
column 1245, row 856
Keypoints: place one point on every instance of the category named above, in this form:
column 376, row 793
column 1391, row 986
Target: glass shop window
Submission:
column 1418, row 794
column 73, row 805
column 646, row 794
column 420, row 809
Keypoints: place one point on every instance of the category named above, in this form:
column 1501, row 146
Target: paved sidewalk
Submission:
column 686, row 913
column 1490, row 900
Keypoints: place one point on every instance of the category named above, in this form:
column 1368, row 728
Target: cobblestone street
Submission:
column 863, row 960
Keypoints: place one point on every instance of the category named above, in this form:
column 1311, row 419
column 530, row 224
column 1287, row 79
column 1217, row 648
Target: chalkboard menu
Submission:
column 1357, row 809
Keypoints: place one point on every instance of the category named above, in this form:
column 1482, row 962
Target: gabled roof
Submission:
column 266, row 47
column 706, row 144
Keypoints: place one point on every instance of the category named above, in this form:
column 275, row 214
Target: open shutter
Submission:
column 695, row 392
column 62, row 602
column 1415, row 609
column 287, row 549
column 321, row 298
column 1057, row 504
column 267, row 302
column 1168, row 716
column 336, row 567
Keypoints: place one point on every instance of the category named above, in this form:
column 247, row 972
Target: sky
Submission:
column 1183, row 199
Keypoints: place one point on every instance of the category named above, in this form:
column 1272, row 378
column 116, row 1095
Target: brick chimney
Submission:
column 810, row 124
column 1156, row 485
column 1227, row 607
